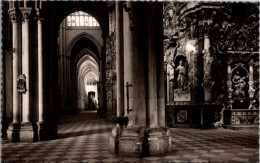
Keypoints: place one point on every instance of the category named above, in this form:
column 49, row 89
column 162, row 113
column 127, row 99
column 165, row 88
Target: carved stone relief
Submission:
column 21, row 83
column 110, row 61
column 235, row 34
column 239, row 82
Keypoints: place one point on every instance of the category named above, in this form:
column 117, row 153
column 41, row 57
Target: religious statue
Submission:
column 239, row 85
column 21, row 83
column 181, row 79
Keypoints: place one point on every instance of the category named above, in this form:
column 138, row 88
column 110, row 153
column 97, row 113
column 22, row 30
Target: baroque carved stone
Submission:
column 230, row 90
column 239, row 77
column 233, row 34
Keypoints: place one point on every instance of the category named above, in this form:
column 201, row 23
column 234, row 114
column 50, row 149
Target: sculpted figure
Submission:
column 181, row 79
column 239, row 84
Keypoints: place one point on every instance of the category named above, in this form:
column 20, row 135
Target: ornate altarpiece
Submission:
column 211, row 62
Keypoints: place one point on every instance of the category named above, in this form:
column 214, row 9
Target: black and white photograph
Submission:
column 129, row 81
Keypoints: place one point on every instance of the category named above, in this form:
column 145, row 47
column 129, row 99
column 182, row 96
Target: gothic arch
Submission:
column 80, row 36
column 83, row 53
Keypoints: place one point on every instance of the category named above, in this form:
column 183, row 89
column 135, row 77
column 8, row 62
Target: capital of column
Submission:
column 251, row 63
column 207, row 28
column 13, row 15
column 26, row 11
column 39, row 16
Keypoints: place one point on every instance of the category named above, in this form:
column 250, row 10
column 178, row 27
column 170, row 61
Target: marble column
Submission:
column 207, row 82
column 27, row 132
column 14, row 127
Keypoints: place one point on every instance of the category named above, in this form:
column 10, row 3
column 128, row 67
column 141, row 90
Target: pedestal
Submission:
column 13, row 132
column 158, row 141
column 131, row 142
column 28, row 132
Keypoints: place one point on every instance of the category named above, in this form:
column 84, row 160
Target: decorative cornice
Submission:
column 184, row 11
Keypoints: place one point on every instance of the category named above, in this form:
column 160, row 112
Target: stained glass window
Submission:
column 81, row 19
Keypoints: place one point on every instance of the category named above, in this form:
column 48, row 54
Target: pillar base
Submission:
column 28, row 132
column 13, row 132
column 158, row 141
column 46, row 131
column 116, row 133
column 131, row 142
column 114, row 139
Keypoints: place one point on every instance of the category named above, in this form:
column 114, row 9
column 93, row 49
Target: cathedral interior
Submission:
column 124, row 81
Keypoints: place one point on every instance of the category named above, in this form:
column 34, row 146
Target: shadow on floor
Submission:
column 82, row 133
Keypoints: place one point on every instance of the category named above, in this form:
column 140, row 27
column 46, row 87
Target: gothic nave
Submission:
column 115, row 81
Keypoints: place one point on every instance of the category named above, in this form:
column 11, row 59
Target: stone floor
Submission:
column 85, row 138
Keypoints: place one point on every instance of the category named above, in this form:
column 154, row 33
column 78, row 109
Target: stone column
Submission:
column 251, row 90
column 44, row 129
column 134, row 64
column 152, row 73
column 119, row 78
column 119, row 59
column 229, row 86
column 14, row 128
column 40, row 68
column 207, row 82
column 132, row 137
column 25, row 63
column 167, row 86
column 26, row 133
column 157, row 138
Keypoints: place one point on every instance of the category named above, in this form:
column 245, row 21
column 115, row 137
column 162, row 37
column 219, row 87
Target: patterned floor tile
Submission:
column 110, row 160
column 151, row 158
column 84, row 137
column 239, row 159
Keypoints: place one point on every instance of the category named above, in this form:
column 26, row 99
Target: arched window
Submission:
column 81, row 19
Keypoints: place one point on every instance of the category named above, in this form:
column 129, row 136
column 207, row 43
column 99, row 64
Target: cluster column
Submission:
column 132, row 137
column 14, row 128
column 144, row 81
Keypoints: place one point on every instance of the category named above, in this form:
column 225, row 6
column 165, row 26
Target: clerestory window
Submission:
column 81, row 19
